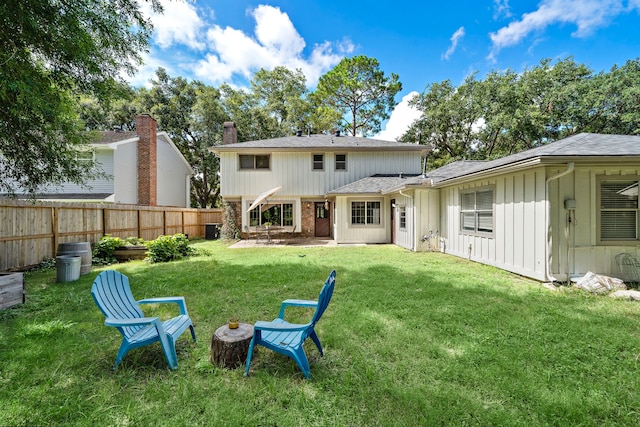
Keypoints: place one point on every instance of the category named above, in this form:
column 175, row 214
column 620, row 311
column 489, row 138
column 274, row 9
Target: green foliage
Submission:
column 49, row 52
column 192, row 114
column 359, row 91
column 511, row 111
column 169, row 248
column 46, row 264
column 103, row 249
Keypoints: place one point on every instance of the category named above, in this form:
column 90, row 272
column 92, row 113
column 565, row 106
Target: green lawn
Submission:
column 410, row 339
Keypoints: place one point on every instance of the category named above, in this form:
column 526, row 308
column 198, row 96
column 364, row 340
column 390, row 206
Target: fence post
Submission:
column 54, row 231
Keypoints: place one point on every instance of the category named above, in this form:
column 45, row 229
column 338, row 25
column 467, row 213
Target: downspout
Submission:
column 548, row 276
column 415, row 223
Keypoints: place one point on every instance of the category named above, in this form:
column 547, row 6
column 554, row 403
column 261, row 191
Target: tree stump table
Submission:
column 229, row 347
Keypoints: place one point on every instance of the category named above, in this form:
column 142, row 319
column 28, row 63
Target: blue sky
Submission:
column 217, row 41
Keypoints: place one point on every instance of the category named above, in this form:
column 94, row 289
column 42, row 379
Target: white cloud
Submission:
column 275, row 42
column 216, row 54
column 401, row 118
column 587, row 15
column 455, row 38
column 178, row 25
column 501, row 8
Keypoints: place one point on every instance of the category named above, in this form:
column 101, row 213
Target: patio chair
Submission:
column 288, row 338
column 258, row 234
column 112, row 294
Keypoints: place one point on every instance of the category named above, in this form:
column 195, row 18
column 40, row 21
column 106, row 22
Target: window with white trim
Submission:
column 341, row 162
column 365, row 213
column 402, row 217
column 476, row 211
column 279, row 214
column 251, row 161
column 618, row 213
column 318, row 162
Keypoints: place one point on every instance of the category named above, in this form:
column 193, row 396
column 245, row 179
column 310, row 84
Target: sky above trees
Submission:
column 219, row 42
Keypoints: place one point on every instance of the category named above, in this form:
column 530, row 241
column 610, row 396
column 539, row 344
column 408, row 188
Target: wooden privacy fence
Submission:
column 30, row 233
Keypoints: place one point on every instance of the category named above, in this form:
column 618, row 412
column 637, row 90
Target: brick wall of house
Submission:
column 229, row 133
column 146, row 128
column 308, row 219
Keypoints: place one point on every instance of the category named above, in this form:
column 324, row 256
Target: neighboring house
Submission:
column 142, row 168
column 305, row 169
column 550, row 213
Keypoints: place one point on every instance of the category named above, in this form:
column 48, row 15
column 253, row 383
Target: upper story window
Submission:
column 318, row 162
column 476, row 211
column 250, row 161
column 618, row 210
column 341, row 162
column 365, row 213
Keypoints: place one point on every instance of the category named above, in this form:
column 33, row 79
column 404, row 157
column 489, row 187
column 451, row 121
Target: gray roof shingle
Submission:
column 578, row 146
column 319, row 141
column 108, row 137
column 374, row 184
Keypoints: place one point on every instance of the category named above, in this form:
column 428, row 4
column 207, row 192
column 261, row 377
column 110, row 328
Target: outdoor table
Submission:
column 269, row 229
column 229, row 347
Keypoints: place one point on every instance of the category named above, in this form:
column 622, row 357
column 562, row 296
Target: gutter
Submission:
column 547, row 274
column 415, row 223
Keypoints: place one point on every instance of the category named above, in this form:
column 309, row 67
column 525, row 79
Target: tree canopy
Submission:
column 50, row 51
column 360, row 92
column 510, row 111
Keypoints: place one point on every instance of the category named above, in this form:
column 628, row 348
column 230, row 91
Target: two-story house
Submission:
column 305, row 183
column 550, row 213
column 141, row 167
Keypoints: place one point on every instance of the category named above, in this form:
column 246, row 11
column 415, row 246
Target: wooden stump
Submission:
column 229, row 347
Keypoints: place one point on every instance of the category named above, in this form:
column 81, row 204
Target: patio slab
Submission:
column 251, row 243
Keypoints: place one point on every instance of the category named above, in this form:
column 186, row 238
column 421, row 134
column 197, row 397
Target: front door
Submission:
column 323, row 223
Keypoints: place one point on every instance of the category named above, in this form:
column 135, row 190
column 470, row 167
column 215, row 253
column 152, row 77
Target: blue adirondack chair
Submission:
column 287, row 338
column 112, row 294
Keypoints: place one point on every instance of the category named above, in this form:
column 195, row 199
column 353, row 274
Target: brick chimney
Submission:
column 230, row 134
column 146, row 128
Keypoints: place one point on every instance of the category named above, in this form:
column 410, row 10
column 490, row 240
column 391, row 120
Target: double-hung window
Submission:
column 476, row 211
column 318, row 162
column 365, row 213
column 618, row 210
column 341, row 162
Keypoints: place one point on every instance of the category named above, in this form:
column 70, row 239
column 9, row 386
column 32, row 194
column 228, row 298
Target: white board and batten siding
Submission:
column 293, row 171
column 347, row 233
column 518, row 243
column 580, row 250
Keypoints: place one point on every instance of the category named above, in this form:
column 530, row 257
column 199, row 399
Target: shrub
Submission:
column 168, row 248
column 103, row 250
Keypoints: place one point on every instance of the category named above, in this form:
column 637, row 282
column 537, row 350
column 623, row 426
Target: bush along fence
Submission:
column 31, row 232
column 111, row 249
